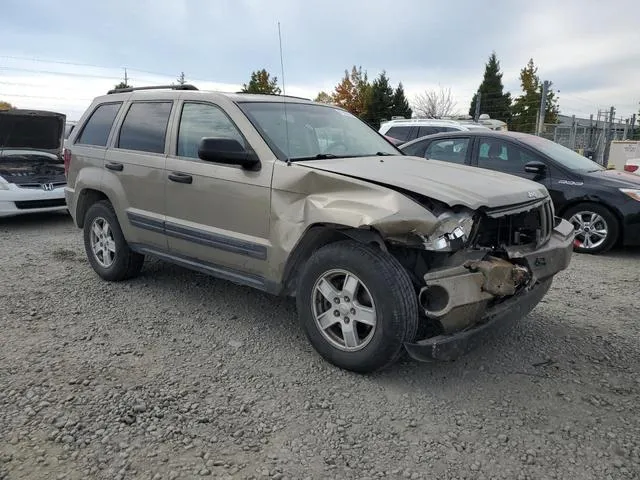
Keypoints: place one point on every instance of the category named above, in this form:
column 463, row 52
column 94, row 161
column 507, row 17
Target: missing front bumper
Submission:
column 453, row 346
column 466, row 316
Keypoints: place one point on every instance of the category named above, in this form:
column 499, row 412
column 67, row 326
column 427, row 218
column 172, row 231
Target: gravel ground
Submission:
column 177, row 375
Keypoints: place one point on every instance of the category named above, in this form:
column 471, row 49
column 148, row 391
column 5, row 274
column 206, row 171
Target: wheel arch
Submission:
column 86, row 198
column 317, row 236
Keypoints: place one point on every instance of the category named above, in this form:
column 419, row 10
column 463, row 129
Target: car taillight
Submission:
column 630, row 168
column 67, row 161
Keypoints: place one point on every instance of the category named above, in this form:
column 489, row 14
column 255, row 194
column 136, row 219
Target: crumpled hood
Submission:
column 32, row 130
column 447, row 182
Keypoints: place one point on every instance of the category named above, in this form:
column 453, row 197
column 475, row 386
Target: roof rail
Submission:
column 272, row 95
column 186, row 86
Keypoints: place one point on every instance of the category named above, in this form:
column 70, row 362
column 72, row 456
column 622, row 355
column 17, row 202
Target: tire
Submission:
column 124, row 262
column 605, row 220
column 380, row 278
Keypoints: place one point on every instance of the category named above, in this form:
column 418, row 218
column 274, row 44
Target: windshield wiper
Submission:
column 320, row 156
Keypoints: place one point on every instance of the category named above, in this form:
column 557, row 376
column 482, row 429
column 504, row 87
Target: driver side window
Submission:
column 199, row 120
column 502, row 156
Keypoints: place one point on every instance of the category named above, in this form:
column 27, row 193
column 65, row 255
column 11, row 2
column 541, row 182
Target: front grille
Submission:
column 532, row 226
column 38, row 186
column 27, row 204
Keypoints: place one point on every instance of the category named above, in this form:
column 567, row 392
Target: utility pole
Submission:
column 608, row 136
column 476, row 116
column 543, row 108
column 633, row 126
column 590, row 143
column 626, row 129
column 126, row 78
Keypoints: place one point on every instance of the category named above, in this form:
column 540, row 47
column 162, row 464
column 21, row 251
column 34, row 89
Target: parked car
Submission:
column 68, row 128
column 603, row 205
column 404, row 130
column 383, row 252
column 31, row 165
column 633, row 166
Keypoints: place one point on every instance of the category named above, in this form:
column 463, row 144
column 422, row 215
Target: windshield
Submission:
column 563, row 155
column 311, row 131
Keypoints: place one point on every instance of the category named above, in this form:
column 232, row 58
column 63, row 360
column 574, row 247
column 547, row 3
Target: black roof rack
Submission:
column 186, row 86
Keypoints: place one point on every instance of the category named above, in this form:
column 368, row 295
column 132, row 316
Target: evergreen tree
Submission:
column 526, row 106
column 400, row 106
column 261, row 82
column 493, row 99
column 324, row 97
column 379, row 102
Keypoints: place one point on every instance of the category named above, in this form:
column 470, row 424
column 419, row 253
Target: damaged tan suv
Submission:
column 385, row 253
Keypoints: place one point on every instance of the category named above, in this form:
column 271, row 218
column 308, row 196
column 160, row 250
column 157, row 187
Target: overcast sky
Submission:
column 59, row 55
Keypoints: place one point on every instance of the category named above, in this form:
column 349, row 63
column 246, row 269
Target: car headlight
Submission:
column 450, row 233
column 631, row 192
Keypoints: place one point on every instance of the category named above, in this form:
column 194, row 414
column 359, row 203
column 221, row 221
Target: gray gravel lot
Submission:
column 178, row 375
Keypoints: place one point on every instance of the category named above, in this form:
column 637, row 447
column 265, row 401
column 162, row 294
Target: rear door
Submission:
column 134, row 171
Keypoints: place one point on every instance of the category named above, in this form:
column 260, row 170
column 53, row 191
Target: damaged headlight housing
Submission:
column 450, row 233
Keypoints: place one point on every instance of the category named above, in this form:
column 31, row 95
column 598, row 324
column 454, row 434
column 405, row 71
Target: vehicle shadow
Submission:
column 35, row 220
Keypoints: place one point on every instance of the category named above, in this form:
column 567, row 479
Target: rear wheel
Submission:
column 357, row 306
column 105, row 245
column 597, row 228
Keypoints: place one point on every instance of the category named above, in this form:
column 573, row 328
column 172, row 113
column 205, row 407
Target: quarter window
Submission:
column 199, row 120
column 145, row 127
column 96, row 130
column 452, row 150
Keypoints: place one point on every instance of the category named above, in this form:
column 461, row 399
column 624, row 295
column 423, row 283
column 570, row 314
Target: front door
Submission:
column 501, row 155
column 217, row 214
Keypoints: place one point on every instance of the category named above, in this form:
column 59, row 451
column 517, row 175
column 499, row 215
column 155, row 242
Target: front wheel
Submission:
column 597, row 229
column 357, row 306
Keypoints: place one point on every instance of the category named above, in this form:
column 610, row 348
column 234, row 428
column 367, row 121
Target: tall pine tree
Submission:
column 262, row 82
column 526, row 106
column 400, row 106
column 493, row 99
column 379, row 105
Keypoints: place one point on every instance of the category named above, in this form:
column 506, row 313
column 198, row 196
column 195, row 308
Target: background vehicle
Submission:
column 31, row 166
column 603, row 205
column 409, row 129
column 383, row 252
column 633, row 166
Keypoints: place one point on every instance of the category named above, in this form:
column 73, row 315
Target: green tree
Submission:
column 261, row 82
column 526, row 106
column 123, row 85
column 494, row 101
column 400, row 106
column 379, row 101
column 6, row 106
column 352, row 91
column 324, row 97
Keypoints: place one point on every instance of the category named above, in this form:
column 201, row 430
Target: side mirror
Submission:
column 228, row 151
column 535, row 167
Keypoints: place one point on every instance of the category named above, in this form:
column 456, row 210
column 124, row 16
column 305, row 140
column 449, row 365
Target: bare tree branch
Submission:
column 434, row 103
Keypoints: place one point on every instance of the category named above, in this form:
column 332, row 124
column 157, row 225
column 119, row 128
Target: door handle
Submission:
column 180, row 177
column 115, row 166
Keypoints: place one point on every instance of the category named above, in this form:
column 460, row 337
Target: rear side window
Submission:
column 96, row 130
column 401, row 133
column 145, row 127
column 424, row 131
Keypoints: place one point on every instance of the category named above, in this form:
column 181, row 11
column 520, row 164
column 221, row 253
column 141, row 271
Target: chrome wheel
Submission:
column 343, row 310
column 591, row 229
column 103, row 245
